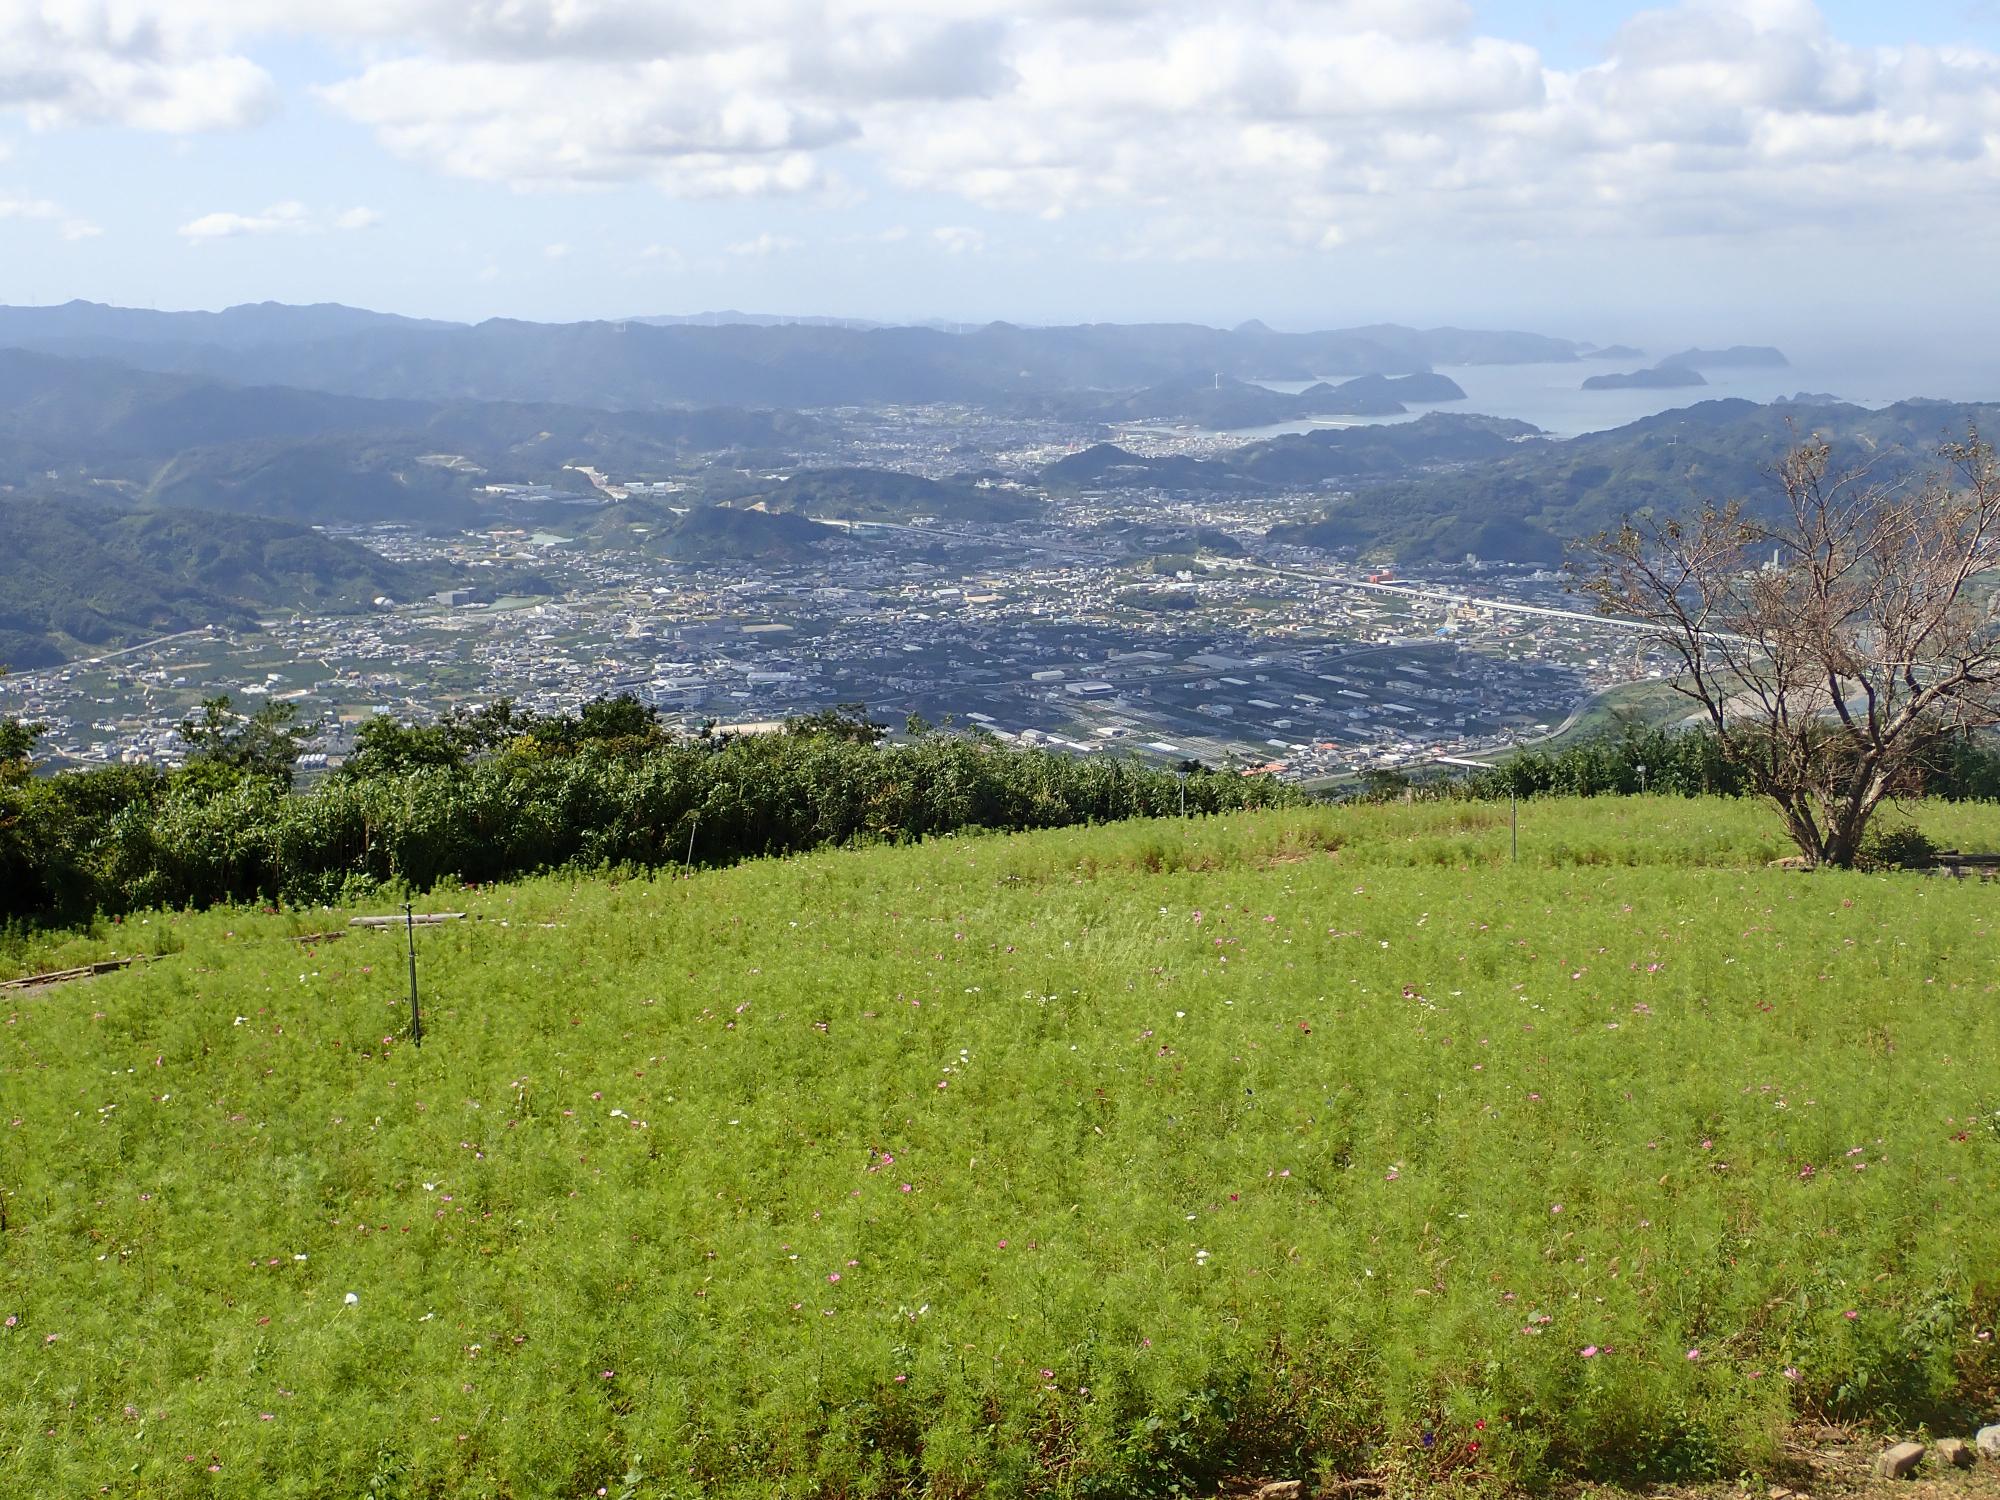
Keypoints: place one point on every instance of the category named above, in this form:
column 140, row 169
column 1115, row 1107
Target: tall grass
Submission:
column 1092, row 1162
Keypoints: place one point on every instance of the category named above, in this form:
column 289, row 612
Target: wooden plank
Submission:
column 421, row 919
column 63, row 976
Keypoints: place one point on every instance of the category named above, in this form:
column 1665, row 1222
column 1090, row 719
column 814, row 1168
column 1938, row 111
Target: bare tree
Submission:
column 1831, row 648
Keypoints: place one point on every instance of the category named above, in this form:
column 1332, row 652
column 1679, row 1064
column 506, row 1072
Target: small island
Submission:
column 1665, row 376
column 1736, row 357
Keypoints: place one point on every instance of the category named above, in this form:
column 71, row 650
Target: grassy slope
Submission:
column 594, row 1225
column 1649, row 705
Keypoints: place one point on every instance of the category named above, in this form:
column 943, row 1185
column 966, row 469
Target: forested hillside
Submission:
column 1527, row 502
column 76, row 575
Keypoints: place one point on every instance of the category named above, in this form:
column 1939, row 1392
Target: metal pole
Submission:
column 1514, row 820
column 687, row 865
column 416, row 1015
column 1182, row 778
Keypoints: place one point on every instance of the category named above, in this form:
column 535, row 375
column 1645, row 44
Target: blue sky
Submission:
column 1755, row 168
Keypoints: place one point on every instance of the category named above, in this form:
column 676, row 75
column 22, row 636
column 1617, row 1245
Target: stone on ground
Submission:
column 1952, row 1453
column 1900, row 1461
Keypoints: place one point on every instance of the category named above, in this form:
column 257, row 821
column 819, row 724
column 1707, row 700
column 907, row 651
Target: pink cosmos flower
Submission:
column 1588, row 1351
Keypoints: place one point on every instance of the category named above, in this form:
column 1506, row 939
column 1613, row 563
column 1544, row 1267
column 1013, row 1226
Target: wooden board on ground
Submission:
column 63, row 976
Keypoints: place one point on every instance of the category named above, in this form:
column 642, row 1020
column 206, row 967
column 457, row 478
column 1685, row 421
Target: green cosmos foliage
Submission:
column 1081, row 1163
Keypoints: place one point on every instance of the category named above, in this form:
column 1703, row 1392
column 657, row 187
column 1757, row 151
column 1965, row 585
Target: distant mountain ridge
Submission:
column 245, row 325
column 639, row 363
column 277, row 450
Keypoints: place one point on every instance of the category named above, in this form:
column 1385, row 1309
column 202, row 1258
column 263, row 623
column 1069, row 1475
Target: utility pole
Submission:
column 416, row 1015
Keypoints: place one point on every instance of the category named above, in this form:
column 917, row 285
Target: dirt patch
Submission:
column 1819, row 1463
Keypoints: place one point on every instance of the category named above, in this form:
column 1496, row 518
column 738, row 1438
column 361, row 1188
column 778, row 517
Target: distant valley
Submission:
column 758, row 446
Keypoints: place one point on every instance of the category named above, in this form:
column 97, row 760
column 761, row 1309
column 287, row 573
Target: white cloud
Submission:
column 43, row 210
column 958, row 240
column 279, row 218
column 765, row 245
column 557, row 251
column 163, row 66
column 1296, row 124
column 290, row 217
column 29, row 208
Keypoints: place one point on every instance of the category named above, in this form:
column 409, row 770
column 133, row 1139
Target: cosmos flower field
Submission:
column 1116, row 1161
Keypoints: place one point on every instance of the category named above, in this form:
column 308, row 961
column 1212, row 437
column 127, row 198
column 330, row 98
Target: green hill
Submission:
column 717, row 533
column 1110, row 1161
column 78, row 575
column 858, row 494
column 1525, row 500
column 701, row 533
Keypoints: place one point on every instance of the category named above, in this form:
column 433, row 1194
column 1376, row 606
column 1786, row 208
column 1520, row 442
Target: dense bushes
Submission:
column 121, row 838
column 499, row 794
column 1684, row 763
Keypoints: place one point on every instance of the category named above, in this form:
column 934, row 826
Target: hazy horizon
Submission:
column 1714, row 170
